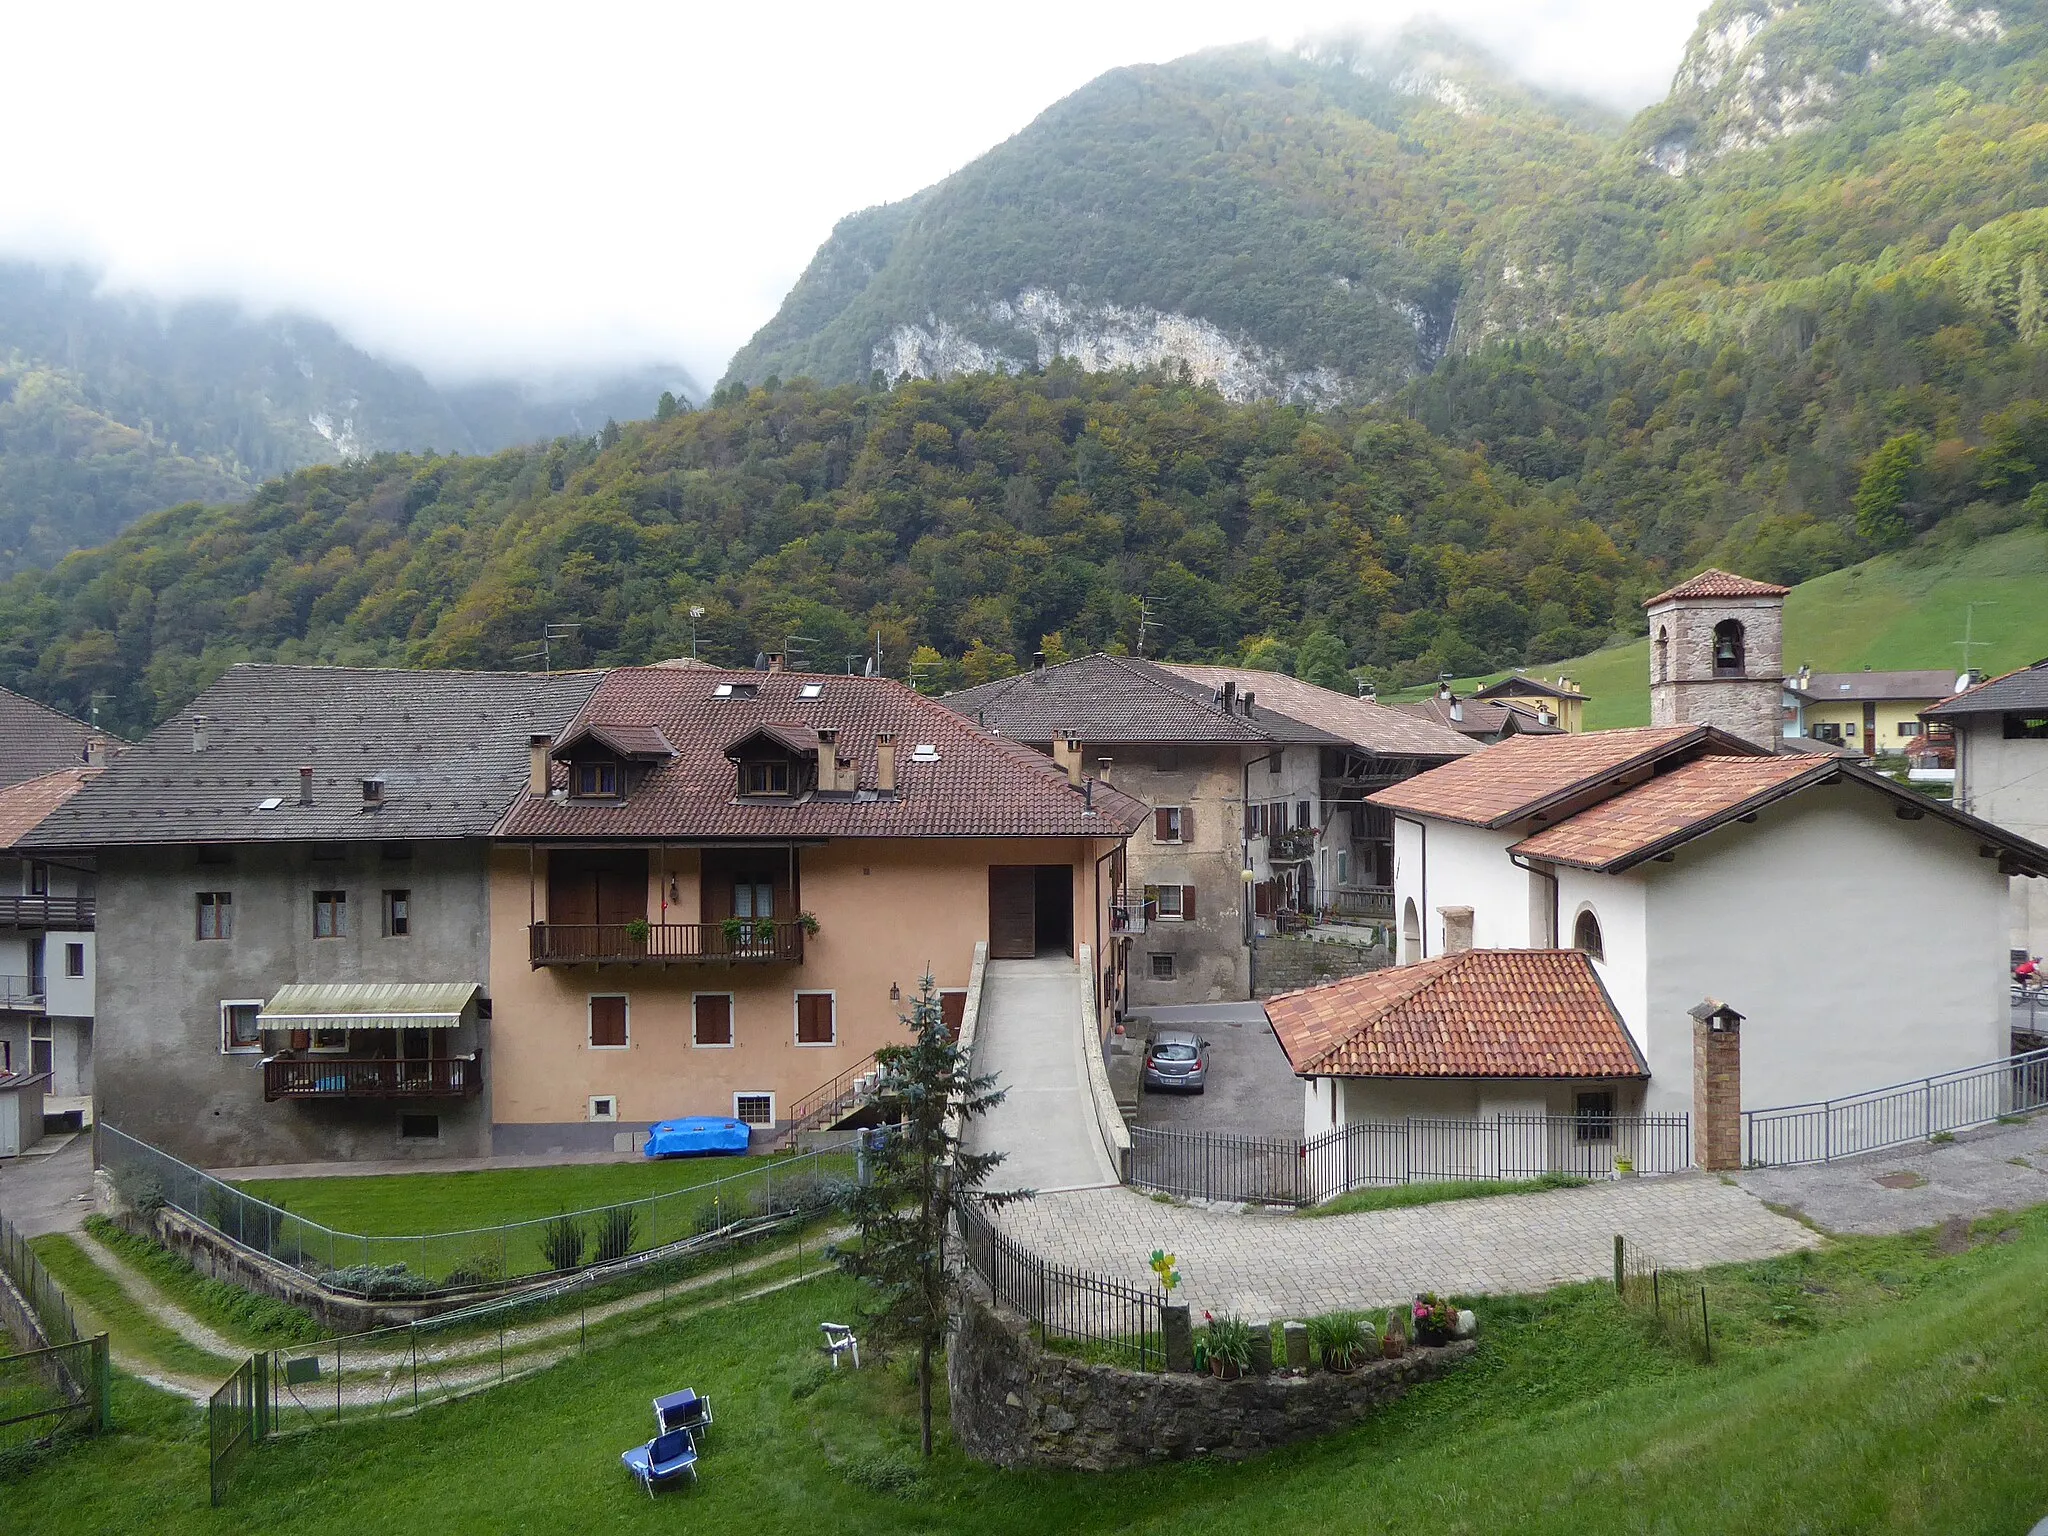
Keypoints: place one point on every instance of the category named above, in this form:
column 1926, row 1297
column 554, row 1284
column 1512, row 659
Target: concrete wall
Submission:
column 2007, row 782
column 1683, row 687
column 888, row 909
column 1863, row 949
column 160, row 1070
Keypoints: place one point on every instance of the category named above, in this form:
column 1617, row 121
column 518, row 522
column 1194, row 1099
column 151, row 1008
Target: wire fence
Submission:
column 237, row 1418
column 1288, row 1171
column 481, row 1259
column 51, row 1307
column 1794, row 1134
column 1670, row 1303
column 46, row 1392
column 1124, row 1322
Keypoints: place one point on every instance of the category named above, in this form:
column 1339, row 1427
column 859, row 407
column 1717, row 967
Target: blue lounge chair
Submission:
column 683, row 1410
column 662, row 1459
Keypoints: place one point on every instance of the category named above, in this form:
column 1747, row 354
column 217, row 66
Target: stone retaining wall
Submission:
column 1287, row 963
column 1017, row 1405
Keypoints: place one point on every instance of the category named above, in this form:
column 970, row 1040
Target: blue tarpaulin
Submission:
column 697, row 1133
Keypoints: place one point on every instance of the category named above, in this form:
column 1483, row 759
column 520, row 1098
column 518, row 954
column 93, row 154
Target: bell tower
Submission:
column 1717, row 656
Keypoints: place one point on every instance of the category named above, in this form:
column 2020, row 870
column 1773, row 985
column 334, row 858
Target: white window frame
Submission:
column 796, row 1015
column 732, row 1021
column 756, row 1093
column 227, row 1047
column 1172, row 971
column 590, row 1106
column 624, row 1045
column 1177, row 915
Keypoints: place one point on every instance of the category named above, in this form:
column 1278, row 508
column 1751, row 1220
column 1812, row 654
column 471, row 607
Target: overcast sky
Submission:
column 517, row 187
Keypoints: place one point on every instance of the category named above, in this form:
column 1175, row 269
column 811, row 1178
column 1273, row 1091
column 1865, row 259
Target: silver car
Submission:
column 1177, row 1059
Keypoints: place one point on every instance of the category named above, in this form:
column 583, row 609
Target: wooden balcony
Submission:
column 748, row 943
column 75, row 912
column 372, row 1077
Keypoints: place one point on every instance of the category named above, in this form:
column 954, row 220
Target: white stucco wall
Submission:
column 1863, row 949
column 1456, row 866
column 1620, row 902
column 68, row 994
column 2007, row 782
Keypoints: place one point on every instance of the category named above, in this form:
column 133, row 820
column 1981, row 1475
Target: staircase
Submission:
column 835, row 1103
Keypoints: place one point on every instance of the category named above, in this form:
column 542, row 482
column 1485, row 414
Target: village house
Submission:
column 292, row 910
column 1559, row 702
column 1871, row 713
column 2001, row 774
column 721, row 889
column 1485, row 721
column 47, row 946
column 36, row 739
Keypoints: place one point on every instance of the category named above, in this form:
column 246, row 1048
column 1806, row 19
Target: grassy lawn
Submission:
column 1898, row 611
column 260, row 1322
column 1875, row 1385
column 405, row 1204
column 103, row 1305
column 1397, row 1195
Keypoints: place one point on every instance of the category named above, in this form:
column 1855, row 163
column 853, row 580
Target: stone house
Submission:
column 2001, row 774
column 1717, row 656
column 719, row 891
column 293, row 916
column 47, row 945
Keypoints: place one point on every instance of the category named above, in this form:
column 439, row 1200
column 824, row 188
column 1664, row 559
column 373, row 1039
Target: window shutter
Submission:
column 814, row 1018
column 1187, row 903
column 607, row 1021
column 1187, row 823
column 714, row 1019
column 1162, row 825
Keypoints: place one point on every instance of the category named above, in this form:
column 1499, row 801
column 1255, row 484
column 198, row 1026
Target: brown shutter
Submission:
column 814, row 1018
column 1162, row 825
column 953, row 1012
column 1012, row 912
column 1187, row 823
column 713, row 1019
column 607, row 1021
column 1187, row 903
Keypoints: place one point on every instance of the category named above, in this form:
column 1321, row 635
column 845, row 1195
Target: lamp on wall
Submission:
column 895, row 993
column 675, row 894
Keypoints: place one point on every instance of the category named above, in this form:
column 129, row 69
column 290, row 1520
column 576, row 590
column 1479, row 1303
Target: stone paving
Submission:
column 1269, row 1264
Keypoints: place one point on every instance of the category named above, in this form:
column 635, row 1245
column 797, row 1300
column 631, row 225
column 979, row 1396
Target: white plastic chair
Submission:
column 839, row 1340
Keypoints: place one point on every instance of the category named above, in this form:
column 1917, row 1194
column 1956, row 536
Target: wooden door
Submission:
column 1012, row 911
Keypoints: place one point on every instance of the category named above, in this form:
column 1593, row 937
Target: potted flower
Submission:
column 808, row 921
column 1337, row 1339
column 637, row 929
column 735, row 931
column 1624, row 1168
column 1436, row 1320
column 1230, row 1345
column 764, row 931
column 1394, row 1341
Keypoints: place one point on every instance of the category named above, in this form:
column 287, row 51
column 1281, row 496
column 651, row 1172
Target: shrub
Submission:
column 1229, row 1339
column 561, row 1243
column 1338, row 1339
column 142, row 1191
column 379, row 1281
column 617, row 1230
column 478, row 1268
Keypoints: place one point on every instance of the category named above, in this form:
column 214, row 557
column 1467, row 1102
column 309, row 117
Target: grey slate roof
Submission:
column 1854, row 687
column 2024, row 691
column 1363, row 722
column 1106, row 699
column 35, row 739
column 451, row 747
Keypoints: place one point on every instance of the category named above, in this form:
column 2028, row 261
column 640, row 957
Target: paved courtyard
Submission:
column 1252, row 1089
column 1266, row 1264
column 1998, row 1168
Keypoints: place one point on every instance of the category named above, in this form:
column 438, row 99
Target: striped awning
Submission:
column 369, row 1005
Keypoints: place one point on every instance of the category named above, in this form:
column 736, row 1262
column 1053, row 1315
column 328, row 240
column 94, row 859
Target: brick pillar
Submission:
column 1716, row 1086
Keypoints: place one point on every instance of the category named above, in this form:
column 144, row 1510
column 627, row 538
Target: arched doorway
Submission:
column 1411, row 933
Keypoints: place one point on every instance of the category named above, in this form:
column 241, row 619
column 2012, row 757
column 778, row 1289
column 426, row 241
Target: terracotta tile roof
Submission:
column 978, row 785
column 1110, row 699
column 23, row 806
column 1483, row 717
column 1478, row 1013
column 1524, row 774
column 1685, row 802
column 626, row 740
column 1362, row 722
column 1716, row 583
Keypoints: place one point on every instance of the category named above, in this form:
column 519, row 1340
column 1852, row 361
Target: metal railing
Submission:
column 1130, row 916
column 48, row 911
column 402, row 1268
column 758, row 941
column 1296, row 847
column 50, row 1305
column 23, row 991
column 1793, row 1134
column 1279, row 1170
column 1070, row 1305
column 852, row 1089
column 380, row 1077
column 44, row 1392
column 237, row 1419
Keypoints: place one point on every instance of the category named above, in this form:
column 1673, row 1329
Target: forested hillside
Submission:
column 973, row 520
column 111, row 407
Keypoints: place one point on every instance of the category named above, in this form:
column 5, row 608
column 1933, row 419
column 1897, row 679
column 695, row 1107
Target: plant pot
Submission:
column 1435, row 1338
column 1392, row 1347
column 1344, row 1367
column 1224, row 1370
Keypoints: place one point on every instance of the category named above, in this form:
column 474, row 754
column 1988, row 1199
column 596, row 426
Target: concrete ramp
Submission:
column 1031, row 1040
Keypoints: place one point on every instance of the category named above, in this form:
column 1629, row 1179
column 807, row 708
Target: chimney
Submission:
column 834, row 772
column 1717, row 1085
column 1443, row 692
column 885, row 762
column 1247, row 697
column 306, row 785
column 1457, row 929
column 537, row 763
column 775, row 661
column 96, row 752
column 1038, row 661
column 1066, row 751
column 199, row 733
column 1103, row 765
column 1457, row 709
column 1229, row 695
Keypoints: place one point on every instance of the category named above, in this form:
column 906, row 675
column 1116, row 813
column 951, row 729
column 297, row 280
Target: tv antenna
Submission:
column 549, row 634
column 1145, row 622
column 1968, row 642
column 696, row 613
column 792, row 647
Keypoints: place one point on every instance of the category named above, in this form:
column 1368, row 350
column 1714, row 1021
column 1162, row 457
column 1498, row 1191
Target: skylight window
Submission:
column 271, row 804
column 736, row 691
column 813, row 691
column 924, row 752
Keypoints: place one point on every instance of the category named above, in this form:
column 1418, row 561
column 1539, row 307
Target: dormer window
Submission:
column 764, row 778
column 595, row 781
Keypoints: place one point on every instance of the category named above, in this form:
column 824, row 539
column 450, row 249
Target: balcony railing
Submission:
column 1296, row 847
column 1360, row 903
column 746, row 941
column 373, row 1077
column 47, row 911
column 1129, row 916
column 22, row 992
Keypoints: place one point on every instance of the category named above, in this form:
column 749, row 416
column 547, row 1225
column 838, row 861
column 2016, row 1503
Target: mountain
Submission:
column 112, row 407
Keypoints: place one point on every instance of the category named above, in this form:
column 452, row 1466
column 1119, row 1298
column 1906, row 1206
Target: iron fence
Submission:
column 44, row 1392
column 49, row 1304
column 1793, row 1134
column 1262, row 1170
column 1671, row 1304
column 480, row 1259
column 1064, row 1305
column 237, row 1419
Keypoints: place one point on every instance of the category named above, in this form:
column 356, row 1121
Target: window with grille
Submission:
column 330, row 914
column 815, row 1024
column 711, row 1019
column 754, row 1108
column 607, row 1022
column 1596, row 1116
column 216, row 915
column 1162, row 968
